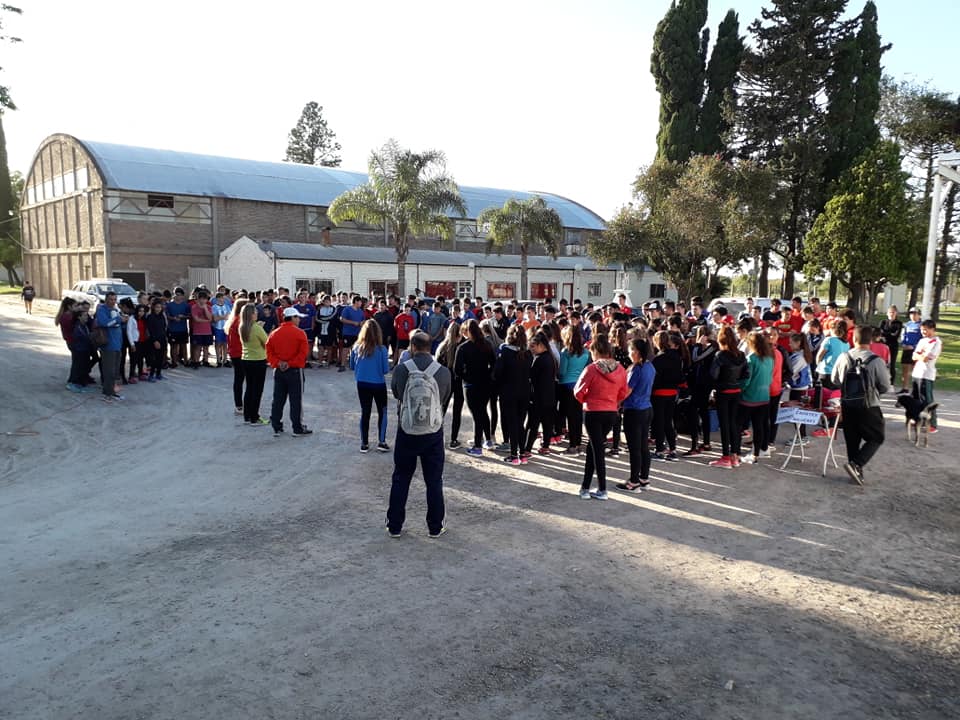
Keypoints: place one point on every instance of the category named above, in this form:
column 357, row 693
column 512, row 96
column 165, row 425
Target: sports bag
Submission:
column 420, row 410
column 856, row 384
column 99, row 336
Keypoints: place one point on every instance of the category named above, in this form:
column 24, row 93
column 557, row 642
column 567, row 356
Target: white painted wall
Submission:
column 243, row 264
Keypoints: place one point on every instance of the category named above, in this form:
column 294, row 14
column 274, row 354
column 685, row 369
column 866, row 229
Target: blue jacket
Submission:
column 640, row 382
column 371, row 370
column 110, row 319
column 571, row 366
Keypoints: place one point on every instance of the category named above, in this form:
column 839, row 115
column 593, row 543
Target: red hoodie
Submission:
column 602, row 386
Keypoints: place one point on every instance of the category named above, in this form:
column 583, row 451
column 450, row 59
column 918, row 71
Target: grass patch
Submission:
column 9, row 289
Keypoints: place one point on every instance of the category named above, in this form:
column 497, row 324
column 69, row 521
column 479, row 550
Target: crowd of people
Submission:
column 536, row 377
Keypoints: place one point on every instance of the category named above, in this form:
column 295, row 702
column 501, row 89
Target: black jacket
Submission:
column 701, row 360
column 474, row 363
column 543, row 380
column 669, row 367
column 727, row 370
column 511, row 373
column 156, row 328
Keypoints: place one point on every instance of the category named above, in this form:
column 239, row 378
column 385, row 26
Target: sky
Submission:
column 553, row 96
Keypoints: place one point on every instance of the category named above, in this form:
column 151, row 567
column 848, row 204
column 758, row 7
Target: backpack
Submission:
column 420, row 410
column 856, row 384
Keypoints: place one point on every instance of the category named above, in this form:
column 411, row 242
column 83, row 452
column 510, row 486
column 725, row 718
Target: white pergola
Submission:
column 948, row 168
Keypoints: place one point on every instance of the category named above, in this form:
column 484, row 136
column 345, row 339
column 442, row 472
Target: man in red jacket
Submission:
column 287, row 349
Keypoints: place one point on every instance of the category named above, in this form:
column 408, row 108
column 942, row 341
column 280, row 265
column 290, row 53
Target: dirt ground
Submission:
column 161, row 560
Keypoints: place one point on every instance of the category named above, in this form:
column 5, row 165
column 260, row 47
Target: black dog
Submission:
column 911, row 404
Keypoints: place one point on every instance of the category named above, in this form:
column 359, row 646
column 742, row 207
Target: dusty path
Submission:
column 160, row 560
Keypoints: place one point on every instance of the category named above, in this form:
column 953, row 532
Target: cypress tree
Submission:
column 782, row 119
column 678, row 64
column 865, row 133
column 722, row 73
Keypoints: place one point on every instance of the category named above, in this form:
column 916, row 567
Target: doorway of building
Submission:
column 136, row 280
column 568, row 292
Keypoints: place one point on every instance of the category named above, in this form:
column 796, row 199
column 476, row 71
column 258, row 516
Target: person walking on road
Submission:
column 287, row 354
column 422, row 387
column 862, row 378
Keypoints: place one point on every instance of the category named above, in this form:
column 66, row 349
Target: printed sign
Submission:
column 797, row 415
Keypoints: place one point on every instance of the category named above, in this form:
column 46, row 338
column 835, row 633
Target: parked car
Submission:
column 94, row 290
column 734, row 306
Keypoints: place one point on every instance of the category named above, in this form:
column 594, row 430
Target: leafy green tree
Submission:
column 863, row 235
column 11, row 186
column 782, row 118
column 721, row 98
column 926, row 123
column 690, row 220
column 407, row 192
column 677, row 63
column 526, row 223
column 311, row 141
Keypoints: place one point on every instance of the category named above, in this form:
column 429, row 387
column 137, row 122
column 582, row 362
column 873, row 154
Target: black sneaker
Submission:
column 854, row 472
column 437, row 534
column 302, row 432
column 364, row 448
column 383, row 447
column 277, row 432
column 671, row 456
column 454, row 444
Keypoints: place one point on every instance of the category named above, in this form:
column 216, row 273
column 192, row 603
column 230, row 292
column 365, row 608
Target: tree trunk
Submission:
column 12, row 277
column 834, row 286
column 942, row 271
column 402, row 243
column 524, row 288
column 914, row 293
column 855, row 300
column 763, row 280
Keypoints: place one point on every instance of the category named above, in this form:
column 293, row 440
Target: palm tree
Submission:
column 524, row 221
column 410, row 193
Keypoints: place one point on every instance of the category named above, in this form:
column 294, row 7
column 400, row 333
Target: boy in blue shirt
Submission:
column 351, row 318
column 911, row 336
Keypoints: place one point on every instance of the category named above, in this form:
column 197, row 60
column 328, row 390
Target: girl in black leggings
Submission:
column 447, row 356
column 511, row 379
column 474, row 365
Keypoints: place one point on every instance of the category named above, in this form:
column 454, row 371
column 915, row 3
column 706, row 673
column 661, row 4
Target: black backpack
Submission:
column 857, row 384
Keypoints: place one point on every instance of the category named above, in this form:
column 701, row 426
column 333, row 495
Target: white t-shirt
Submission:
column 929, row 349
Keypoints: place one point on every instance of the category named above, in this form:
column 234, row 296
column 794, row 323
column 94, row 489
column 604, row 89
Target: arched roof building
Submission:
column 94, row 209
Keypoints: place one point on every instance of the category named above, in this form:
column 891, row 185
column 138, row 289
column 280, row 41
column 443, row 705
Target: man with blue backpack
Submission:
column 862, row 378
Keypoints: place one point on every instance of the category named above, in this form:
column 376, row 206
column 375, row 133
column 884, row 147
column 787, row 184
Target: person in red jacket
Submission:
column 601, row 388
column 404, row 324
column 287, row 354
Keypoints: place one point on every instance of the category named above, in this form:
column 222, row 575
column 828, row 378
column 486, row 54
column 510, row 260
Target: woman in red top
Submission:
column 235, row 352
column 601, row 388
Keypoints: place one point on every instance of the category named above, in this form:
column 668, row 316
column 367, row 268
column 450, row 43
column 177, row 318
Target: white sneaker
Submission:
column 585, row 495
column 766, row 453
column 488, row 445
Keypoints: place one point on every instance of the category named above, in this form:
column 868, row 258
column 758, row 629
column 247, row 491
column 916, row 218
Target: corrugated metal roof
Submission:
column 349, row 253
column 126, row 167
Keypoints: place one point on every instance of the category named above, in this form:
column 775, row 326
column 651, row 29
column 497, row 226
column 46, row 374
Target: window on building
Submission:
column 658, row 290
column 594, row 289
column 464, row 287
column 314, row 285
column 432, row 288
column 543, row 291
column 382, row 288
column 160, row 201
column 501, row 290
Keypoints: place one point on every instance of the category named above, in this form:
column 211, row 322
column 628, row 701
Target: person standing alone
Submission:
column 287, row 353
column 422, row 387
column 862, row 378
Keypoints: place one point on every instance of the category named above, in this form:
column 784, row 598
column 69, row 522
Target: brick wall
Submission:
column 260, row 220
column 164, row 250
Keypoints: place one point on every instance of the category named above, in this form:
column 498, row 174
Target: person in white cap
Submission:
column 287, row 353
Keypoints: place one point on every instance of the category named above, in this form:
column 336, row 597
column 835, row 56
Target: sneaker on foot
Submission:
column 572, row 450
column 854, row 473
column 302, row 432
column 454, row 444
column 692, row 452
column 543, row 451
column 392, row 533
column 613, row 452
column 438, row 533
column 238, row 410
column 584, row 494
column 599, row 495
column 724, row 462
column 277, row 433
column 672, row 456
column 659, row 455
column 488, row 445
column 474, row 451
column 512, row 460
column 73, row 387
column 260, row 422
column 383, row 447
column 705, row 447
column 931, row 431
column 630, row 487
column 364, row 448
